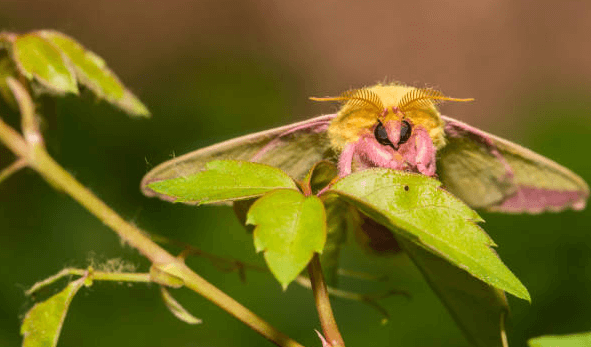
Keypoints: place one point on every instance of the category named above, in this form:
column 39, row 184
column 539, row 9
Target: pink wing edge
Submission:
column 315, row 125
column 527, row 198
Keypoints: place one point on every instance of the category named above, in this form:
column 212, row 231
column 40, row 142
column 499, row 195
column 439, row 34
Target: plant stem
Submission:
column 503, row 331
column 327, row 320
column 12, row 168
column 94, row 275
column 54, row 173
column 38, row 159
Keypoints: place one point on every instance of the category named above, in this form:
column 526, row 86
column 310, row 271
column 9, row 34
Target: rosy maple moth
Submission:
column 399, row 127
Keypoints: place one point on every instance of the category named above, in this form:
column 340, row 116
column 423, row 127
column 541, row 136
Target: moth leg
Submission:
column 372, row 154
column 346, row 159
column 425, row 161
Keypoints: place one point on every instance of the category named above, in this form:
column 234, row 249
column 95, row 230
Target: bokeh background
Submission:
column 214, row 69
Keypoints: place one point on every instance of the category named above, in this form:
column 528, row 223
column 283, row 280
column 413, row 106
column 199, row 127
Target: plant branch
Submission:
column 368, row 299
column 327, row 320
column 12, row 168
column 503, row 331
column 93, row 275
column 39, row 160
column 222, row 263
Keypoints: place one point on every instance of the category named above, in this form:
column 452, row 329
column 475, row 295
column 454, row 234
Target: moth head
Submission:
column 394, row 133
column 389, row 112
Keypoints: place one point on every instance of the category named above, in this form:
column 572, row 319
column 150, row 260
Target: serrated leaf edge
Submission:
column 521, row 291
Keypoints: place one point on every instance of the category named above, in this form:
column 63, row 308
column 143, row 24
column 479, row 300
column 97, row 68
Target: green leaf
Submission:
column 241, row 208
column 93, row 73
column 289, row 229
column 177, row 309
column 163, row 278
column 340, row 217
column 43, row 323
column 39, row 60
column 320, row 176
column 224, row 180
column 574, row 340
column 479, row 309
column 415, row 207
column 7, row 69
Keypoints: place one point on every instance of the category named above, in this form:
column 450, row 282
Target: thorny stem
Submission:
column 39, row 160
column 327, row 320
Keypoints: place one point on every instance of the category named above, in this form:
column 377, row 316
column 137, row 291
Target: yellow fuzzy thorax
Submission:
column 353, row 120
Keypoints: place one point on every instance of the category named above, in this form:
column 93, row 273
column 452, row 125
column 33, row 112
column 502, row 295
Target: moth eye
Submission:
column 381, row 135
column 404, row 132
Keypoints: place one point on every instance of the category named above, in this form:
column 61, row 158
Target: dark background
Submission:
column 212, row 70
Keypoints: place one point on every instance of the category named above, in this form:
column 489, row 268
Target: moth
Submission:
column 399, row 127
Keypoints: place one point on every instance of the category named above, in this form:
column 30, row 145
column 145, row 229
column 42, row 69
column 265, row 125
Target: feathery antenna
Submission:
column 423, row 97
column 357, row 97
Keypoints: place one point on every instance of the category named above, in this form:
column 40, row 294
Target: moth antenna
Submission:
column 424, row 97
column 357, row 97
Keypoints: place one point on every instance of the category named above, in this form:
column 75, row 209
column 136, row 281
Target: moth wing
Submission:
column 492, row 173
column 294, row 148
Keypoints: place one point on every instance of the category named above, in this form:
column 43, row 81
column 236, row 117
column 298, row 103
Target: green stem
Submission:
column 368, row 299
column 503, row 331
column 222, row 263
column 12, row 168
column 94, row 275
column 319, row 288
column 54, row 173
column 38, row 159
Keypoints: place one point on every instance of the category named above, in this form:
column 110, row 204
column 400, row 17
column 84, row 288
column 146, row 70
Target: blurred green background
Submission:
column 211, row 70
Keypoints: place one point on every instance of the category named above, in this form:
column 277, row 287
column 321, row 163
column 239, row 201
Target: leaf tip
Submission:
column 526, row 296
column 132, row 105
column 520, row 291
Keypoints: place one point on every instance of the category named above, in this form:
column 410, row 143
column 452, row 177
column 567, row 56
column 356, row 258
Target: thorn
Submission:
column 324, row 342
